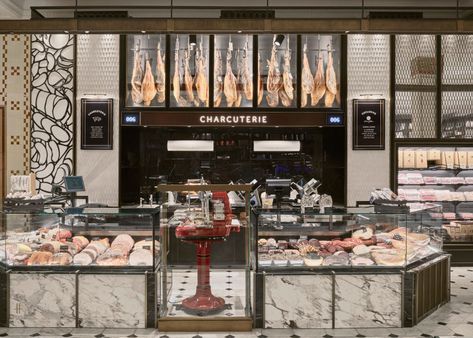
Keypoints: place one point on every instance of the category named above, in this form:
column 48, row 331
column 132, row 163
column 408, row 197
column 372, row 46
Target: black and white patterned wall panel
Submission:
column 52, row 69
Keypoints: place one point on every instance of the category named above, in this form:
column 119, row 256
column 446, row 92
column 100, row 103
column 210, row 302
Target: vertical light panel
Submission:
column 368, row 77
column 98, row 75
column 52, row 69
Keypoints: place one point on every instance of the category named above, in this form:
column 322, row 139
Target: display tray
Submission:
column 357, row 269
column 96, row 269
column 295, row 230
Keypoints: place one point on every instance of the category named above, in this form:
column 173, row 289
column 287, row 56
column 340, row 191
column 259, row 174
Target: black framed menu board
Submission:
column 368, row 124
column 97, row 124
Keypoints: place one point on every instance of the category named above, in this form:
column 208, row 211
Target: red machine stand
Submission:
column 203, row 302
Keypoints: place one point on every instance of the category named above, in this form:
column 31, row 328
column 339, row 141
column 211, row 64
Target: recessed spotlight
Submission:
column 279, row 40
column 346, row 32
column 144, row 32
column 239, row 31
column 87, row 32
column 67, row 32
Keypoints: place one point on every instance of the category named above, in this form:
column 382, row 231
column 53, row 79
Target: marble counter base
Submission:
column 303, row 301
column 112, row 301
column 42, row 300
column 368, row 301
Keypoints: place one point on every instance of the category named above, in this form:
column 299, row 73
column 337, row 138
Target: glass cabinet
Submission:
column 205, row 264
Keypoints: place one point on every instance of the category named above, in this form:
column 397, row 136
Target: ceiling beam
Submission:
column 135, row 25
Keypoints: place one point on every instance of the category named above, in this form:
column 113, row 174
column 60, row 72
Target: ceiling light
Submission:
column 279, row 40
column 87, row 32
column 192, row 39
column 144, row 32
column 239, row 31
column 276, row 146
column 190, row 145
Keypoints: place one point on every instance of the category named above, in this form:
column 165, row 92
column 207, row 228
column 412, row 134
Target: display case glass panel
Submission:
column 205, row 268
column 277, row 71
column 145, row 70
column 233, row 70
column 353, row 238
column 189, row 70
column 320, row 71
column 79, row 239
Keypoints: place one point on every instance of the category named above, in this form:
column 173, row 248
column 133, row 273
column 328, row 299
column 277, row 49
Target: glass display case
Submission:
column 97, row 266
column 145, row 70
column 189, row 70
column 233, row 70
column 351, row 238
column 79, row 239
column 320, row 77
column 205, row 264
column 277, row 71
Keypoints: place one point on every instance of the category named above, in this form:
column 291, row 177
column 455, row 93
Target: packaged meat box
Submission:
column 400, row 158
column 469, row 159
column 448, row 159
column 421, row 159
column 434, row 155
column 461, row 159
column 409, row 159
column 430, row 180
column 414, row 178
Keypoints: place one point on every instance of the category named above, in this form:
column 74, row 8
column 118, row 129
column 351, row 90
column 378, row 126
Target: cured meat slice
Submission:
column 61, row 258
column 141, row 257
column 160, row 75
column 148, row 87
column 137, row 77
column 319, row 83
column 39, row 258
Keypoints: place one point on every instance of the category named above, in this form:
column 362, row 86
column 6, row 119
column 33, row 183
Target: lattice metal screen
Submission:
column 415, row 86
column 457, row 114
column 415, row 114
column 457, row 86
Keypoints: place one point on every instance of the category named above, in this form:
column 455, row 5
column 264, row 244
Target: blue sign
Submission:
column 131, row 119
column 335, row 119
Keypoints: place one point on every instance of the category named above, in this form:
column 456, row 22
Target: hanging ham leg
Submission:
column 331, row 82
column 137, row 77
column 319, row 83
column 229, row 83
column 188, row 82
column 218, row 79
column 148, row 88
column 306, row 79
column 287, row 77
column 160, row 75
column 274, row 80
column 260, row 82
column 176, row 79
column 246, row 77
column 201, row 83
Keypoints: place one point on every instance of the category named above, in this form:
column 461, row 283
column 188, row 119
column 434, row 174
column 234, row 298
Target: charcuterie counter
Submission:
column 79, row 268
column 346, row 268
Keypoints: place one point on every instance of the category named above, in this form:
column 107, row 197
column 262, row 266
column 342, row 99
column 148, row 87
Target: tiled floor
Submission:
column 452, row 320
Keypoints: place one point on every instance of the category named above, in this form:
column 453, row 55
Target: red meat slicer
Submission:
column 216, row 227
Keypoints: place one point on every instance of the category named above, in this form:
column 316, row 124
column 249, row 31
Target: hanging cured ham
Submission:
column 246, row 78
column 148, row 88
column 274, row 80
column 188, row 81
column 201, row 83
column 331, row 82
column 160, row 75
column 319, row 83
column 260, row 82
column 218, row 79
column 176, row 79
column 306, row 79
column 137, row 77
column 288, row 87
column 229, row 83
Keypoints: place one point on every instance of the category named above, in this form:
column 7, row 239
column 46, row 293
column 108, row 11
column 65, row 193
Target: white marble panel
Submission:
column 42, row 300
column 368, row 301
column 303, row 301
column 112, row 301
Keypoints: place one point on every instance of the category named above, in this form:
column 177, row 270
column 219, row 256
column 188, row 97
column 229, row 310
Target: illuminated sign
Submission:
column 233, row 119
column 130, row 119
column 335, row 119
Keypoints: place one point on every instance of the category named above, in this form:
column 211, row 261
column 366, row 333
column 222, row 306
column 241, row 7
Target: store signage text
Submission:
column 233, row 119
